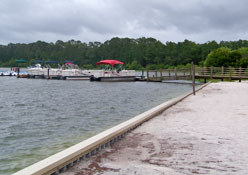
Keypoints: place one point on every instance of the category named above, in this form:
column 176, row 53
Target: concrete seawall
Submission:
column 203, row 134
column 63, row 160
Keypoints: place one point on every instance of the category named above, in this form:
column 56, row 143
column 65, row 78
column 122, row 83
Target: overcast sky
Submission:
column 25, row 21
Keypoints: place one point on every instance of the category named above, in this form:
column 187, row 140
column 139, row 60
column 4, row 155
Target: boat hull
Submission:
column 77, row 78
column 113, row 79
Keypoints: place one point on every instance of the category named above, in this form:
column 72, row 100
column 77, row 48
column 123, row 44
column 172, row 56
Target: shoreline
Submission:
column 63, row 160
column 203, row 134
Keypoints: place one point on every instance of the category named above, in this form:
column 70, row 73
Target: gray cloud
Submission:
column 99, row 20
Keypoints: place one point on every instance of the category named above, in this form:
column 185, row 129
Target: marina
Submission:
column 70, row 71
column 111, row 74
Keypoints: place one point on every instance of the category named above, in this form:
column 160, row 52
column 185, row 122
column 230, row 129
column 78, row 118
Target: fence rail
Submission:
column 230, row 73
column 168, row 74
column 224, row 72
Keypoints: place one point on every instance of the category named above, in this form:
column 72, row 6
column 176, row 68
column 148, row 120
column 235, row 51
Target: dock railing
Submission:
column 169, row 74
column 223, row 72
column 230, row 73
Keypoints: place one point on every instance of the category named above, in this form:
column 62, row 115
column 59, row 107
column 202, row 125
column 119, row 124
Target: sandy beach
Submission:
column 204, row 134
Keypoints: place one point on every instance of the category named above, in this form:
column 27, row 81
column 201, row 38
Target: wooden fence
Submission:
column 168, row 74
column 229, row 73
column 222, row 72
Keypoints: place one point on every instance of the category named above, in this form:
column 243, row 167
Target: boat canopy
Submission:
column 111, row 62
column 38, row 61
column 21, row 61
column 68, row 62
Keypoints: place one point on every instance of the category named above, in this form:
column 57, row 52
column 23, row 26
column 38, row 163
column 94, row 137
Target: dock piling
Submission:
column 147, row 72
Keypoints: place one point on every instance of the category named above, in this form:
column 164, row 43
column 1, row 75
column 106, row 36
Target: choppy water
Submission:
column 41, row 117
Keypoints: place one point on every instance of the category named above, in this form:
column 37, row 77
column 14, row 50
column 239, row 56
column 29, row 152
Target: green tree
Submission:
column 244, row 62
column 145, row 51
column 88, row 66
column 219, row 57
column 244, row 57
column 134, row 66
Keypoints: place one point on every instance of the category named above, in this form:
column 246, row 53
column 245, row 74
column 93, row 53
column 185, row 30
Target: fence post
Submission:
column 240, row 69
column 230, row 69
column 222, row 70
column 176, row 73
column 169, row 73
column 193, row 77
column 211, row 72
column 156, row 75
column 190, row 71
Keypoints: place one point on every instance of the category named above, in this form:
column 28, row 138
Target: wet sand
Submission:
column 203, row 134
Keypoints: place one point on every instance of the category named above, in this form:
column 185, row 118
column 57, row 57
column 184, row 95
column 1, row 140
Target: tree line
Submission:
column 135, row 53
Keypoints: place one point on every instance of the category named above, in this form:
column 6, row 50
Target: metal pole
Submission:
column 48, row 73
column 193, row 77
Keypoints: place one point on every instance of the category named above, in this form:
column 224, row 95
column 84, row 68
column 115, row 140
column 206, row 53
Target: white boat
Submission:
column 36, row 71
column 8, row 73
column 68, row 71
column 71, row 71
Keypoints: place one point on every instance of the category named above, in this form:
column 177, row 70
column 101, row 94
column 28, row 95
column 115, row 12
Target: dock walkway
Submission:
column 203, row 134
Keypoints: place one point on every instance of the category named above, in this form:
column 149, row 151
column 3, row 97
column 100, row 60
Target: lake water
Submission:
column 41, row 117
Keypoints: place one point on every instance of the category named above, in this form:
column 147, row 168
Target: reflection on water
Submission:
column 41, row 117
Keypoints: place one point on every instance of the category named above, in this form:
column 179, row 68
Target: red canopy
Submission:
column 69, row 63
column 111, row 62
